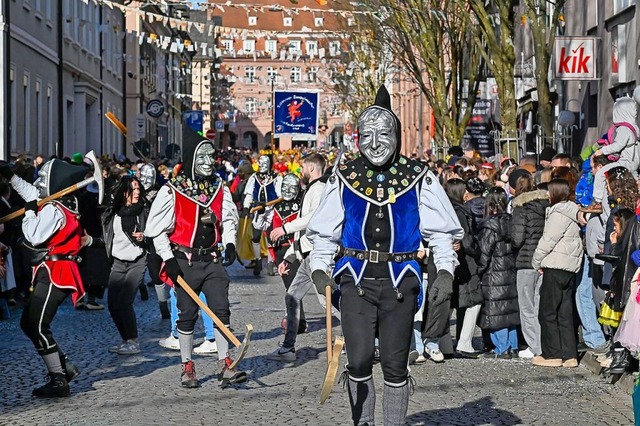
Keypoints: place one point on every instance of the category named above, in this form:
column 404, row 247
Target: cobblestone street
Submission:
column 145, row 389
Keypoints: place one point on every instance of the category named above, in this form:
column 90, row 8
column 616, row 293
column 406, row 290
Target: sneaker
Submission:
column 114, row 349
column 271, row 269
column 526, row 354
column 468, row 355
column 228, row 376
column 188, row 376
column 541, row 361
column 421, row 359
column 55, row 387
column 170, row 342
column 80, row 306
column 93, row 306
column 494, row 355
column 602, row 349
column 283, row 354
column 434, row 353
column 413, row 356
column 570, row 363
column 207, row 347
column 619, row 362
column 129, row 348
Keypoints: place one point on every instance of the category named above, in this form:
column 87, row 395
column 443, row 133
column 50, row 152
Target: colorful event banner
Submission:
column 296, row 114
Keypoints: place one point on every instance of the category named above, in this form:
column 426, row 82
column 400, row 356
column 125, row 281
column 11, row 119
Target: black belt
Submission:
column 375, row 256
column 57, row 257
column 199, row 251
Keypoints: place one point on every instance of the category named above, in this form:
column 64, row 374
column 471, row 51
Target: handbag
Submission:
column 33, row 255
column 609, row 316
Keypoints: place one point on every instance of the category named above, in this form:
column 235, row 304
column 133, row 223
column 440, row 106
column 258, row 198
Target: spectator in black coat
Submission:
column 529, row 208
column 465, row 280
column 496, row 269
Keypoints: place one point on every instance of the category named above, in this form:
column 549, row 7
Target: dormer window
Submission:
column 253, row 20
column 318, row 22
column 288, row 21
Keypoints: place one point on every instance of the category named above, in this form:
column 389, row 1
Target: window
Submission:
column 66, row 10
column 619, row 5
column 14, row 102
column 40, row 126
column 50, row 119
column 47, row 10
column 253, row 20
column 350, row 22
column 250, row 74
column 249, row 46
column 619, row 54
column 228, row 45
column 312, row 48
column 318, row 22
column 26, row 111
column 296, row 74
column 287, row 21
column 271, row 46
column 250, row 105
column 312, row 74
column 295, row 46
column 38, row 6
column 272, row 74
column 334, row 48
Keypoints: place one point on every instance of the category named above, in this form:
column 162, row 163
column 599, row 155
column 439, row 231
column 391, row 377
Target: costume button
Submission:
column 377, row 229
column 377, row 244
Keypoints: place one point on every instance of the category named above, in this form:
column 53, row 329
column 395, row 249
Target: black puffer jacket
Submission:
column 476, row 206
column 528, row 225
column 466, row 274
column 497, row 272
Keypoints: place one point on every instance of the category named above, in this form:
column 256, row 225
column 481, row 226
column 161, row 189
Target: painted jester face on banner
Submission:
column 147, row 176
column 290, row 187
column 264, row 164
column 377, row 135
column 42, row 183
column 203, row 163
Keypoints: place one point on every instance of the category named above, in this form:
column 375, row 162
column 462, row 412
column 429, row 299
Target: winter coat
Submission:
column 466, row 273
column 625, row 141
column 476, row 206
column 584, row 189
column 497, row 272
column 561, row 245
column 626, row 268
column 528, row 217
column 108, row 218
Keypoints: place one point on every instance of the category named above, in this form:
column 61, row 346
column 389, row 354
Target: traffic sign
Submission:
column 194, row 119
column 141, row 126
column 155, row 108
column 220, row 125
column 211, row 134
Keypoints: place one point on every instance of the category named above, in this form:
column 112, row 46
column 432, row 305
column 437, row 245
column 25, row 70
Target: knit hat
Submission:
column 547, row 154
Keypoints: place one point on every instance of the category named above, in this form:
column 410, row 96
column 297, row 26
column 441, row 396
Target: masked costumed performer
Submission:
column 390, row 203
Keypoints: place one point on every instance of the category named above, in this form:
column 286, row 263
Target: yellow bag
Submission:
column 608, row 316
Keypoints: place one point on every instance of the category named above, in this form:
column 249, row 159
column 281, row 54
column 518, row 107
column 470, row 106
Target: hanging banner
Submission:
column 296, row 114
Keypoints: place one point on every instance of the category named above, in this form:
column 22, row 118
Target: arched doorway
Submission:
column 267, row 139
column 232, row 139
column 250, row 140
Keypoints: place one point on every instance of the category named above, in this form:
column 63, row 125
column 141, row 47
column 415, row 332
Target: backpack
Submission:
column 607, row 138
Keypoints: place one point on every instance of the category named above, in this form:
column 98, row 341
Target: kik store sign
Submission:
column 575, row 58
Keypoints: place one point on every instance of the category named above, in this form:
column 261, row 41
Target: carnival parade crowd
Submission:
column 541, row 253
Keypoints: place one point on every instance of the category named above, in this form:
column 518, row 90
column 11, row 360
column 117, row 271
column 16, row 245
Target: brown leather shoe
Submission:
column 541, row 361
column 570, row 363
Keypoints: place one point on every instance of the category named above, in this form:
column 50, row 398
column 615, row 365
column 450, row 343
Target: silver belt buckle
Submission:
column 373, row 256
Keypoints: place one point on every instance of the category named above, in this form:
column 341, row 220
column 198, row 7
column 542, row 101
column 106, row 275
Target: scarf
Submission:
column 130, row 222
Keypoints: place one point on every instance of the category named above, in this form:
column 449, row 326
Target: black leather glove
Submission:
column 244, row 212
column 321, row 280
column 173, row 270
column 31, row 205
column 442, row 288
column 6, row 172
column 229, row 255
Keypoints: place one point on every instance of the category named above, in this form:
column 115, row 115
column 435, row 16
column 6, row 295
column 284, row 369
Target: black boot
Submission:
column 164, row 310
column 620, row 362
column 257, row 268
column 55, row 387
column 70, row 369
column 144, row 292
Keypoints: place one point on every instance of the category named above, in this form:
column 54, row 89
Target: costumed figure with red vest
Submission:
column 53, row 238
column 377, row 209
column 276, row 216
column 262, row 187
column 192, row 217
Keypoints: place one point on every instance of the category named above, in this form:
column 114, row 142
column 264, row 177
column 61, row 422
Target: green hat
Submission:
column 77, row 158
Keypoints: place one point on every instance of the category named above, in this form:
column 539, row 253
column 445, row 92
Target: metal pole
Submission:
column 273, row 112
column 5, row 82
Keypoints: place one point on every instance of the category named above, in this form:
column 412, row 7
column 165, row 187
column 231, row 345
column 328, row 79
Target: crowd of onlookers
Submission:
column 540, row 264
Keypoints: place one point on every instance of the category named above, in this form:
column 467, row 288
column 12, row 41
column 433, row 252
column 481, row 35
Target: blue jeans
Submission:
column 504, row 339
column 208, row 322
column 591, row 330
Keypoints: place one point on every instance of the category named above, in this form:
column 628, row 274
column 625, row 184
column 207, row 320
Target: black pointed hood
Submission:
column 62, row 175
column 189, row 156
column 383, row 101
